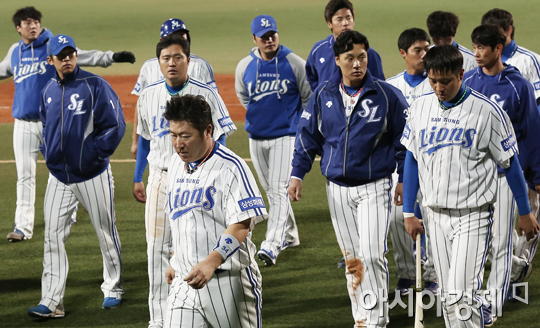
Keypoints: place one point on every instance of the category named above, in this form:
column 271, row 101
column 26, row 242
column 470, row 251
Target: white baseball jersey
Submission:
column 528, row 64
column 477, row 134
column 469, row 62
column 154, row 127
column 410, row 93
column 198, row 68
column 201, row 205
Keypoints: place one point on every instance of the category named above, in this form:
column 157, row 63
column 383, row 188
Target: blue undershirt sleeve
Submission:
column 221, row 139
column 516, row 181
column 411, row 183
column 142, row 159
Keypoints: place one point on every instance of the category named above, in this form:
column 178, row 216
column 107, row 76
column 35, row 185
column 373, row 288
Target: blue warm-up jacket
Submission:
column 83, row 123
column 357, row 151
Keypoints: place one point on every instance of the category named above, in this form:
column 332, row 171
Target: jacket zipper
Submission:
column 346, row 142
column 62, row 134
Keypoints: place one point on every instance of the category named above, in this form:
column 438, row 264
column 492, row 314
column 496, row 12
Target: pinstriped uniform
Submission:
column 469, row 62
column 457, row 151
column 96, row 195
column 528, row 64
column 200, row 207
column 150, row 72
column 402, row 244
column 153, row 126
column 353, row 210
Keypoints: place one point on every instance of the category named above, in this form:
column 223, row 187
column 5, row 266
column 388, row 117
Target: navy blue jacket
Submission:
column 516, row 96
column 366, row 148
column 83, row 123
column 321, row 63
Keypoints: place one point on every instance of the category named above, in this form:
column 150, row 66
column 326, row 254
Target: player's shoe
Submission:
column 432, row 286
column 488, row 317
column 41, row 311
column 15, row 236
column 403, row 286
column 525, row 273
column 111, row 303
column 267, row 256
column 341, row 264
column 290, row 243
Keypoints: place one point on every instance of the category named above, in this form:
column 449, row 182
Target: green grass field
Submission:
column 305, row 289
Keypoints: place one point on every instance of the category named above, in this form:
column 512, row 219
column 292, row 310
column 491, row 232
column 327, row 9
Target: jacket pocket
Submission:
column 88, row 158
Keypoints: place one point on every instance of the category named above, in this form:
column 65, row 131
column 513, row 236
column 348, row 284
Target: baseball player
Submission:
column 504, row 85
column 150, row 72
column 173, row 58
column 83, row 124
column 271, row 84
column 528, row 64
column 320, row 64
column 412, row 44
column 213, row 203
column 26, row 61
column 355, row 122
column 455, row 137
column 442, row 27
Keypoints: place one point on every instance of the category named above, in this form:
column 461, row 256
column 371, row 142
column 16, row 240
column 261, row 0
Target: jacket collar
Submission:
column 68, row 77
column 509, row 51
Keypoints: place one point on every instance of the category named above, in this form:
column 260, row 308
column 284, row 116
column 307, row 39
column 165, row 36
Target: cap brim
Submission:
column 57, row 51
column 266, row 30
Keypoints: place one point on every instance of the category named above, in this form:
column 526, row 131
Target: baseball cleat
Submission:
column 267, row 256
column 525, row 273
column 111, row 303
column 488, row 318
column 403, row 286
column 15, row 236
column 433, row 287
column 341, row 264
column 41, row 311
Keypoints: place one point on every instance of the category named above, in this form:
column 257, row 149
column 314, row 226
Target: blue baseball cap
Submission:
column 58, row 43
column 262, row 24
column 172, row 25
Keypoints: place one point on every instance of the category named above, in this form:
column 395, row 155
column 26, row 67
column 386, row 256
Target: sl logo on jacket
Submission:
column 187, row 200
column 266, row 88
column 21, row 73
column 76, row 105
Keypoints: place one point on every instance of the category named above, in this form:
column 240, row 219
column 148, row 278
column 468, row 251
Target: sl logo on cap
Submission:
column 62, row 40
column 265, row 22
column 175, row 24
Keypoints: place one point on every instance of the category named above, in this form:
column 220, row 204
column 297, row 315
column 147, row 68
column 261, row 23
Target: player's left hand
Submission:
column 398, row 194
column 202, row 272
column 414, row 226
column 124, row 57
column 170, row 274
column 527, row 225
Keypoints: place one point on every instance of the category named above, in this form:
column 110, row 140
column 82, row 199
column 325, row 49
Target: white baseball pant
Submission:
column 525, row 250
column 403, row 245
column 231, row 299
column 360, row 217
column 272, row 160
column 159, row 243
column 501, row 243
column 460, row 242
column 26, row 142
column 96, row 195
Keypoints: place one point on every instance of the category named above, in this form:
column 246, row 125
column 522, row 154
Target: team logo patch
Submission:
column 265, row 22
column 536, row 85
column 76, row 105
column 406, row 132
column 306, row 115
column 508, row 142
column 226, row 121
column 321, row 60
column 49, row 100
column 62, row 40
column 251, row 203
column 328, row 104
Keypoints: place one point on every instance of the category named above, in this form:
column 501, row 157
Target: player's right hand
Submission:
column 295, row 189
column 528, row 225
column 414, row 227
column 139, row 192
column 170, row 274
column 134, row 146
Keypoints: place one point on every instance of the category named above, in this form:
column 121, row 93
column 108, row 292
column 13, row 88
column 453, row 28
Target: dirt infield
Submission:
column 123, row 86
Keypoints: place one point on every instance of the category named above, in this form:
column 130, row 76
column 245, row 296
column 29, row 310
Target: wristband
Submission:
column 408, row 215
column 226, row 246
